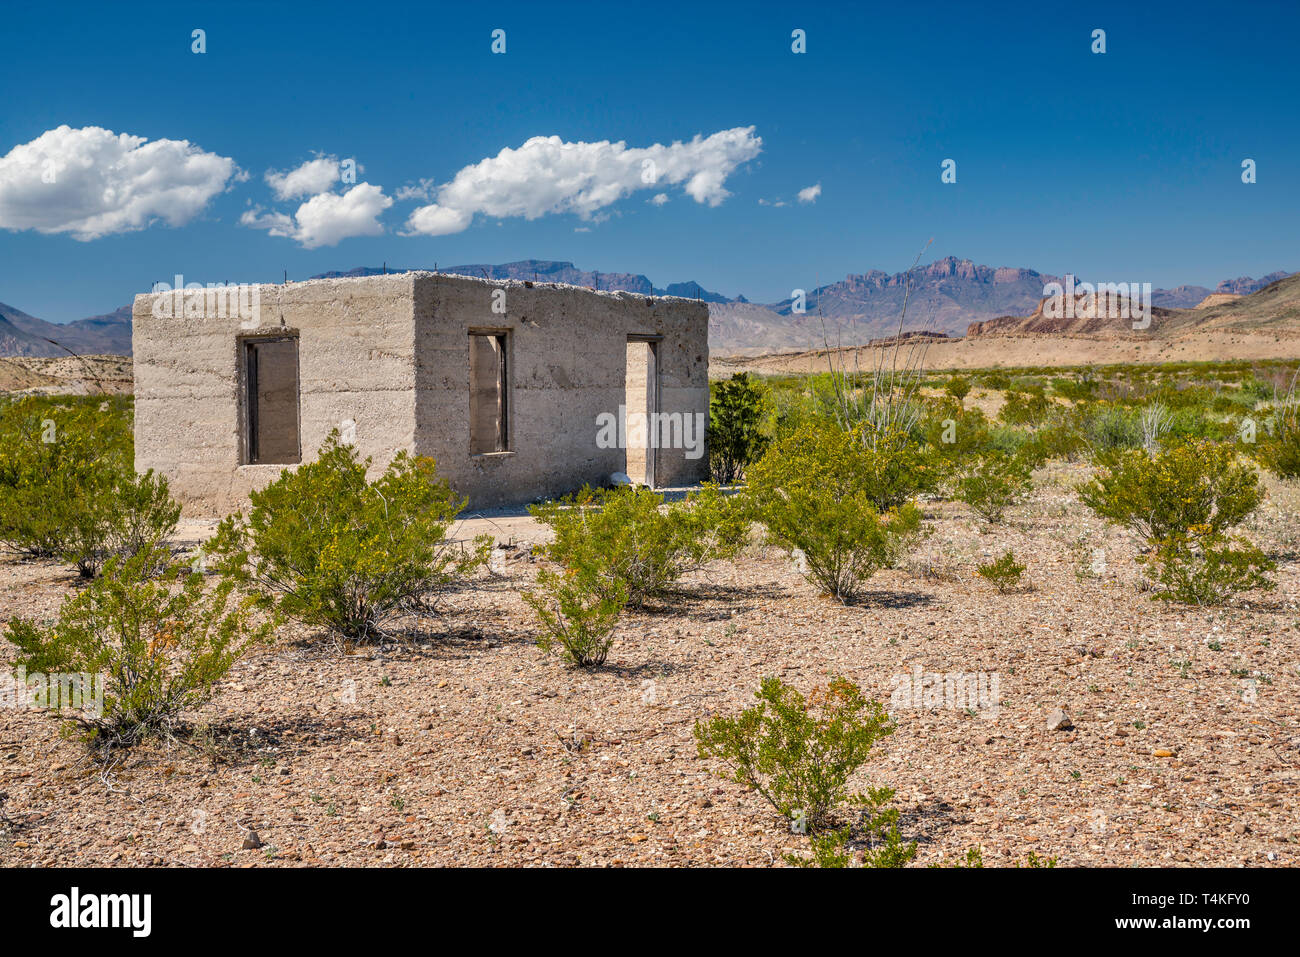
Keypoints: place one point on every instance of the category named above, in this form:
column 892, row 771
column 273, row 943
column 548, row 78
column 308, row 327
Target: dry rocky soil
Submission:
column 467, row 746
column 975, row 353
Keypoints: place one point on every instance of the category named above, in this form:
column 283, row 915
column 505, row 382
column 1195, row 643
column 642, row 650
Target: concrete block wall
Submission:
column 391, row 355
column 567, row 364
column 355, row 362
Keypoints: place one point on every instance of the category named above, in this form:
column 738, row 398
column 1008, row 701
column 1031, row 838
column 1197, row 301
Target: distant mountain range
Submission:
column 1274, row 307
column 947, row 296
column 1189, row 297
column 542, row 270
column 24, row 335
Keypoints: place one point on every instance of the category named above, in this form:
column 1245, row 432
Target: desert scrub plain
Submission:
column 426, row 726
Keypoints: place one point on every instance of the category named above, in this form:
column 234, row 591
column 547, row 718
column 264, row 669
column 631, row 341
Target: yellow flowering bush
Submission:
column 1183, row 500
column 1196, row 483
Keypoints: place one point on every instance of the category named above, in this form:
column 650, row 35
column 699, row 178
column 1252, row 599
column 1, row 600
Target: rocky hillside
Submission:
column 24, row 335
column 946, row 295
column 66, row 375
column 1273, row 308
column 1188, row 297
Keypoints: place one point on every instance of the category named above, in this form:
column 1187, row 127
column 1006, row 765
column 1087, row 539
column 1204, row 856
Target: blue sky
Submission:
column 1124, row 166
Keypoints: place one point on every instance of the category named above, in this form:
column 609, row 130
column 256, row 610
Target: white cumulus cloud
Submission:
column 309, row 179
column 327, row 218
column 809, row 194
column 92, row 182
column 549, row 175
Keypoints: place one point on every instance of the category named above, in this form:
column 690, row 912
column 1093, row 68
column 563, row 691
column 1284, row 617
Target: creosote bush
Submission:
column 896, row 466
column 1003, row 573
column 117, row 513
column 958, row 387
column 877, row 830
column 626, row 542
column 1183, row 501
column 797, row 752
column 1165, row 495
column 323, row 545
column 816, row 490
column 994, row 482
column 1279, row 450
column 161, row 640
column 575, row 619
column 59, row 457
column 1027, row 407
column 1205, row 568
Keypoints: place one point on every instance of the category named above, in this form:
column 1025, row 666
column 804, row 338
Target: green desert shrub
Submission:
column 575, row 618
column 955, row 434
column 1205, row 568
column 1183, row 501
column 877, row 831
column 1278, row 450
column 159, row 643
column 1191, row 485
column 1010, row 441
column 735, row 436
column 994, row 482
column 816, row 491
column 626, row 541
column 1059, row 436
column 1025, row 407
column 1108, row 427
column 326, row 547
column 897, row 467
column 1075, row 390
column 1003, row 573
column 117, row 512
column 958, row 387
column 798, row 753
column 898, row 463
column 57, row 454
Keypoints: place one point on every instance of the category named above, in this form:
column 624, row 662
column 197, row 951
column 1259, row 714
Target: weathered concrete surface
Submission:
column 567, row 364
column 391, row 354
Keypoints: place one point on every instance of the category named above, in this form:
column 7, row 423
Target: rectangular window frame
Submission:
column 250, row 454
column 504, row 444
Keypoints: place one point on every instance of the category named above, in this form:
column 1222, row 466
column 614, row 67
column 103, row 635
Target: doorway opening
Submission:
column 640, row 410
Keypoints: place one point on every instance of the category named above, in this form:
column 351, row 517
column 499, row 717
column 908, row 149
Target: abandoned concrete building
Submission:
column 505, row 384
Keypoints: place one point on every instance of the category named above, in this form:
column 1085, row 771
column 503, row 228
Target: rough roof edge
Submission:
column 414, row 274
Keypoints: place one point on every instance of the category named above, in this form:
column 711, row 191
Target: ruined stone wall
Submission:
column 387, row 358
column 355, row 364
column 567, row 360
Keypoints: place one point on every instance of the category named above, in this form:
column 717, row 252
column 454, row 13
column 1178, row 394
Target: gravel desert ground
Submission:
column 465, row 745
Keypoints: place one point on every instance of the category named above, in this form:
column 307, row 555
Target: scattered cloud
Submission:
column 327, row 218
column 420, row 190
column 437, row 220
column 809, row 194
column 92, row 182
column 775, row 203
column 310, row 179
column 658, row 199
column 548, row 175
